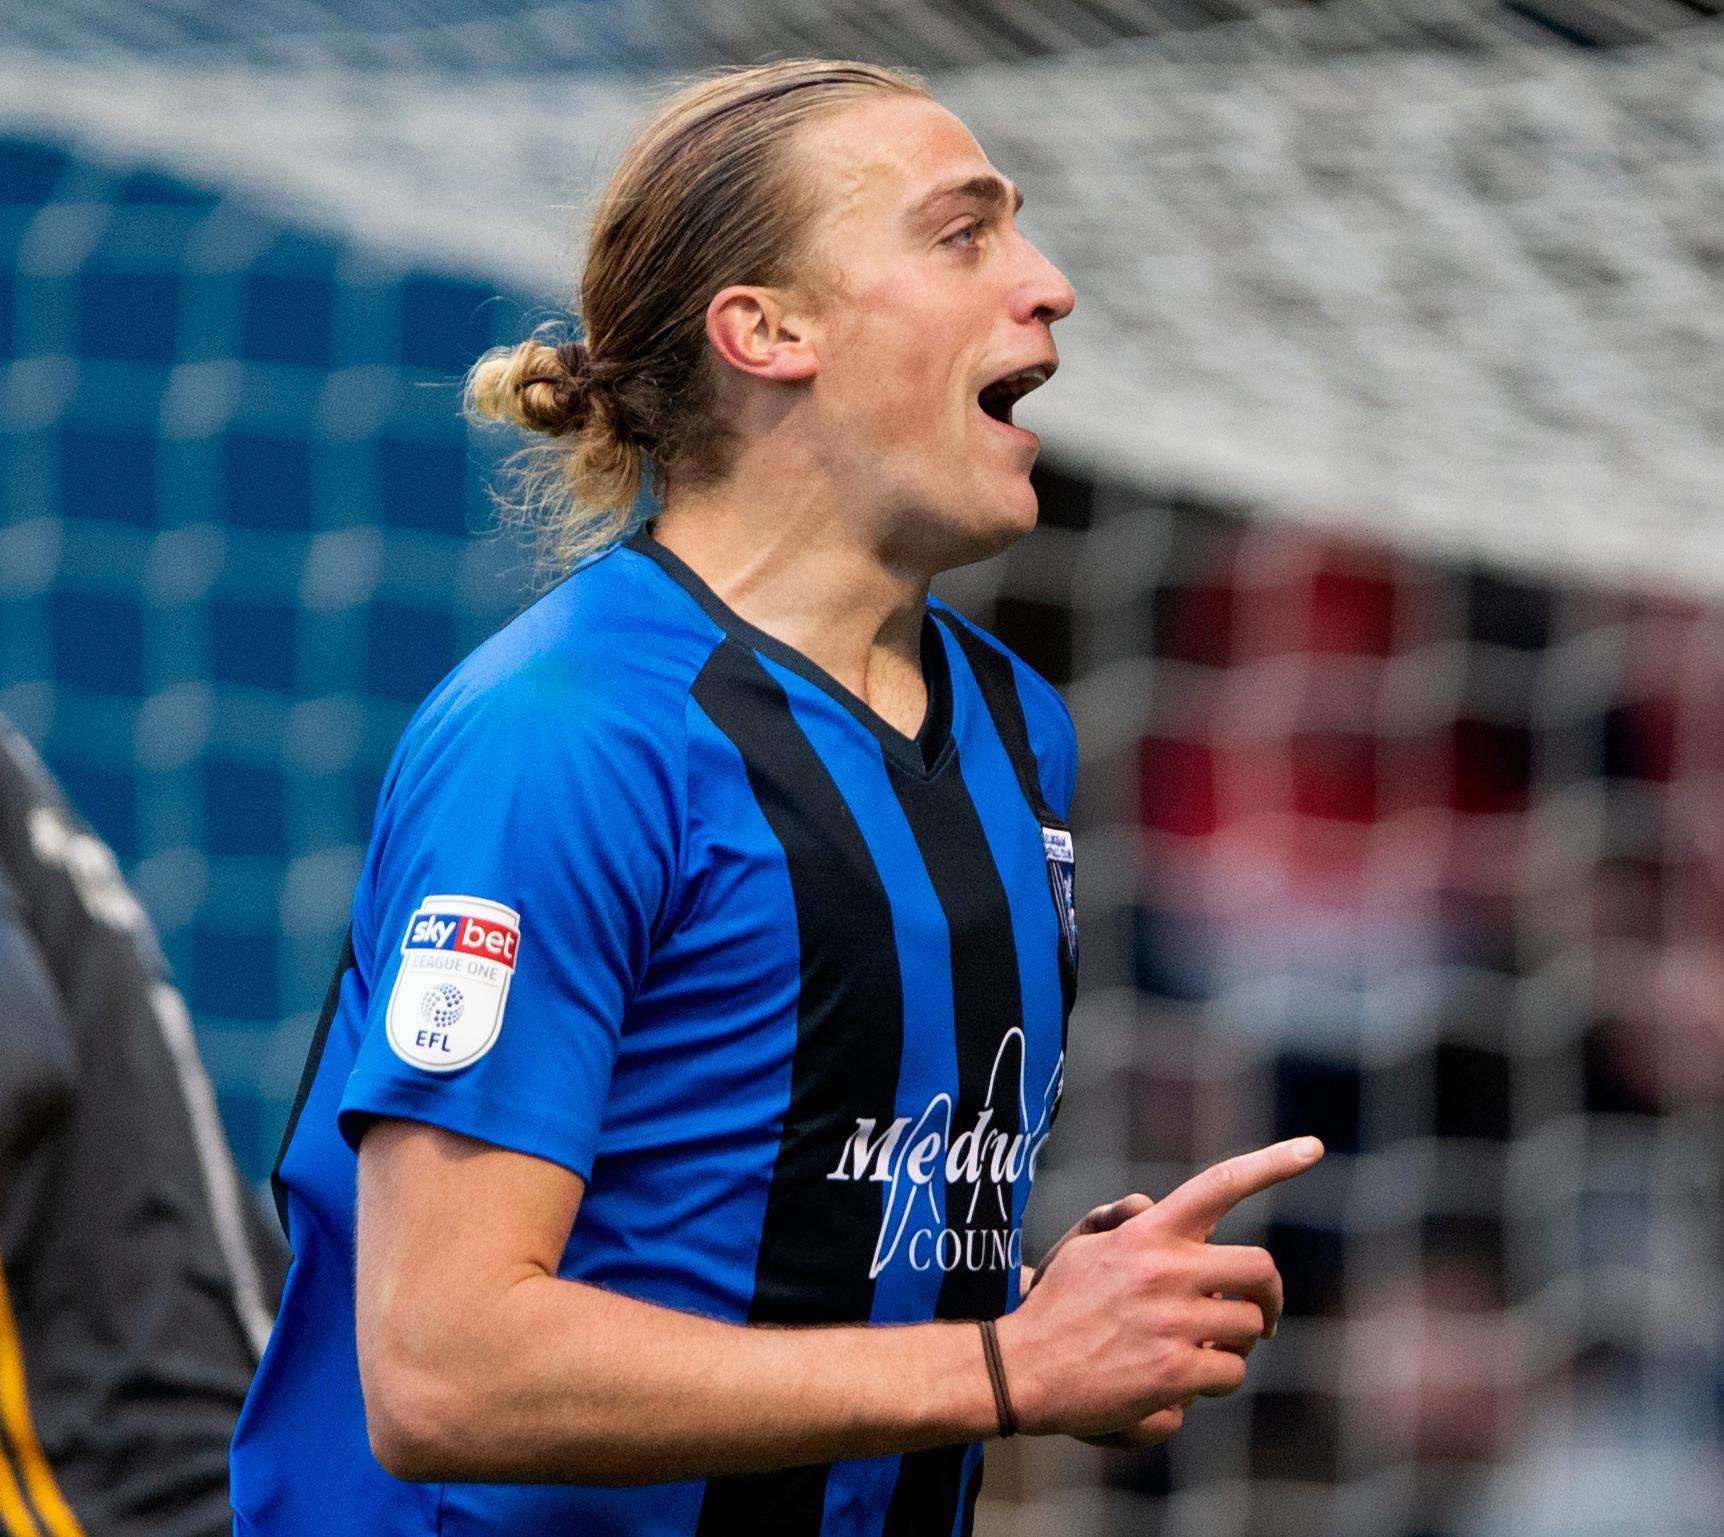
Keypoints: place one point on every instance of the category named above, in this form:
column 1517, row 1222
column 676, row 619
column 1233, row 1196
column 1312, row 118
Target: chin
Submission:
column 996, row 523
column 1014, row 514
column 940, row 532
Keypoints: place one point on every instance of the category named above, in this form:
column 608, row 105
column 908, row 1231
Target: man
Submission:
column 706, row 1006
column 137, row 1277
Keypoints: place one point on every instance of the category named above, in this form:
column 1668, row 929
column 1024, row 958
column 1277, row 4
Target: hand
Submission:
column 1099, row 1219
column 1164, row 1423
column 1128, row 1322
column 1150, row 1431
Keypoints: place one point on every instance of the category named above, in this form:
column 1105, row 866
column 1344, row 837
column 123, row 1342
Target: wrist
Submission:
column 957, row 1404
column 1017, row 1361
column 1006, row 1415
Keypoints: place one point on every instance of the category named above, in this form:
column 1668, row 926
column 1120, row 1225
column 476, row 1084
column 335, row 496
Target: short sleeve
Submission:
column 1060, row 776
column 525, row 851
column 1053, row 737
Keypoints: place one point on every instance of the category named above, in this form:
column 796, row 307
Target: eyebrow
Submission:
column 991, row 190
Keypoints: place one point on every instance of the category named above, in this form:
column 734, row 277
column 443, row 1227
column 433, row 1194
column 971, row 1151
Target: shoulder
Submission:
column 579, row 700
column 1053, row 736
column 1041, row 701
column 553, row 757
column 607, row 656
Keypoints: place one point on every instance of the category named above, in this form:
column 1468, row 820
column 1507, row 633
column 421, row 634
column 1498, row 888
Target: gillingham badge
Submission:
column 1062, row 876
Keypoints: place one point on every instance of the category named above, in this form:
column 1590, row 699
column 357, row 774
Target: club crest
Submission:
column 1062, row 876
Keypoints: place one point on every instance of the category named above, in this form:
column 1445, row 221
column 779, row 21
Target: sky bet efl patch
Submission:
column 446, row 1009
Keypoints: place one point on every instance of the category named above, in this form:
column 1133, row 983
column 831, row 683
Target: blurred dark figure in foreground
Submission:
column 138, row 1278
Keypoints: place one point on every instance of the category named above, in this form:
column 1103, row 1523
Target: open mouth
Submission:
column 998, row 398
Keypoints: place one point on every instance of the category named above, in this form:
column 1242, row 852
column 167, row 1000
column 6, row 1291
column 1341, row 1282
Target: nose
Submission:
column 1044, row 294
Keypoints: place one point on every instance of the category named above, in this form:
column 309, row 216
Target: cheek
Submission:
column 927, row 381
column 907, row 383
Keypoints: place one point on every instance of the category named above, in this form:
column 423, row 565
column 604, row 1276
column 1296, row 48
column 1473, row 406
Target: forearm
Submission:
column 565, row 1382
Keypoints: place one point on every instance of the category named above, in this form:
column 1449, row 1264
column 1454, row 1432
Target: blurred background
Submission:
column 1382, row 563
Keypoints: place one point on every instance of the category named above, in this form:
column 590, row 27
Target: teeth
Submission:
column 1020, row 383
column 997, row 399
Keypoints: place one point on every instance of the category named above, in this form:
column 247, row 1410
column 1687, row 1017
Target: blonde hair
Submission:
column 704, row 197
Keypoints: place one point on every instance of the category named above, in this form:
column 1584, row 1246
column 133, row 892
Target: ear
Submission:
column 753, row 331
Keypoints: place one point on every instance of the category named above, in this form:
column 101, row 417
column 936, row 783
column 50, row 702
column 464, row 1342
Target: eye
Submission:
column 972, row 230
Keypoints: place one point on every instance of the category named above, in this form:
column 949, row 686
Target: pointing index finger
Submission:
column 1204, row 1199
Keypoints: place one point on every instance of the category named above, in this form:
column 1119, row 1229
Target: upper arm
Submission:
column 445, row 1225
column 443, row 1215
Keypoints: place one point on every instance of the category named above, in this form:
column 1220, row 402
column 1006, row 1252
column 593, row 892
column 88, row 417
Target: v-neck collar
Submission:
column 922, row 755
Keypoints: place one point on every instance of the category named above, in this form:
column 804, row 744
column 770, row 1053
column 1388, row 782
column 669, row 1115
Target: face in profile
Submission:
column 938, row 322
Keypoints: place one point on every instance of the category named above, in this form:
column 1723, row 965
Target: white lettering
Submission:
column 432, row 931
column 905, row 1158
column 923, row 1159
column 940, row 1249
column 859, row 1155
column 923, row 1236
column 963, row 1162
column 977, row 1249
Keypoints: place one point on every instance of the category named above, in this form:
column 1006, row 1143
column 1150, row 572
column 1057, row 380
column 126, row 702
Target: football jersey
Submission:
column 652, row 896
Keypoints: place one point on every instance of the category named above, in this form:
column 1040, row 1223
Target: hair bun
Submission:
column 571, row 359
column 551, row 386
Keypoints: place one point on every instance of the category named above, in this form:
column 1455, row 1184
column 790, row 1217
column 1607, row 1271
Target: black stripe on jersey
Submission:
column 308, row 1076
column 986, row 1007
column 1000, row 690
column 817, row 1240
column 1000, row 693
column 920, row 755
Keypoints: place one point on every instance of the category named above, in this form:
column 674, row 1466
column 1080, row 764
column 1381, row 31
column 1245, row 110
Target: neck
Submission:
column 808, row 569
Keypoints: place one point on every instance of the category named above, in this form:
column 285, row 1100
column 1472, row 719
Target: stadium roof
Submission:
column 1467, row 299
column 556, row 35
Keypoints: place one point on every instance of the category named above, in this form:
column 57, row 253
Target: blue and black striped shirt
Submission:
column 653, row 896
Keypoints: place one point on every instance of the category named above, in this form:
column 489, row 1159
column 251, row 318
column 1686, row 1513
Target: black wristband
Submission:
column 997, row 1376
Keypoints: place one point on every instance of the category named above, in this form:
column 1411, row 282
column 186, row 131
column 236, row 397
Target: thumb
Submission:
column 1104, row 1218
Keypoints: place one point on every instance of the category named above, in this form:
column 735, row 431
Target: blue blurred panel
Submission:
column 446, row 323
column 423, row 483
column 251, row 1133
column 105, row 797
column 252, row 644
column 152, row 188
column 109, row 476
column 128, row 316
column 233, row 975
column 245, row 809
column 296, row 252
column 367, row 787
column 266, row 482
column 407, row 650
column 289, row 320
column 30, row 172
column 300, row 305
column 98, row 642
